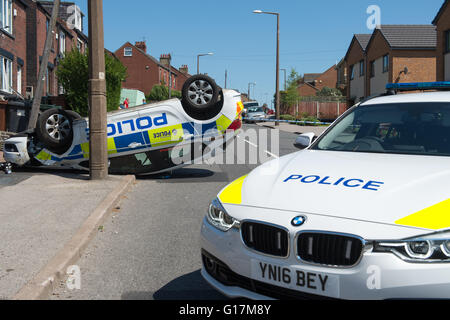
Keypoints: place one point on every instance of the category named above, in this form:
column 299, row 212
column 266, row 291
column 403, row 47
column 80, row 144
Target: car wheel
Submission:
column 54, row 130
column 201, row 97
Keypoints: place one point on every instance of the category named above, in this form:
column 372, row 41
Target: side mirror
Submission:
column 304, row 141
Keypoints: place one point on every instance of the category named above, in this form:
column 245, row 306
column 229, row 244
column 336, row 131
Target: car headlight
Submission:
column 429, row 248
column 219, row 218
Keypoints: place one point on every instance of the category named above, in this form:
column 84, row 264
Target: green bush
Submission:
column 73, row 75
column 161, row 93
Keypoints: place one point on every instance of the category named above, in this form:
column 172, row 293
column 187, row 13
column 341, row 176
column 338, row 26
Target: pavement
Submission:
column 46, row 219
column 293, row 128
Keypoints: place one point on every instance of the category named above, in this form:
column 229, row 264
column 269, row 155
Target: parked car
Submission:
column 255, row 114
column 141, row 140
column 362, row 212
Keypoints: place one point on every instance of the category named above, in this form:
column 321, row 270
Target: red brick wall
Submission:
column 327, row 79
column 143, row 73
column 442, row 26
column 16, row 44
column 305, row 90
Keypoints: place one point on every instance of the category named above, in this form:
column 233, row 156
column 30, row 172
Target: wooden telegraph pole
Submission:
column 98, row 158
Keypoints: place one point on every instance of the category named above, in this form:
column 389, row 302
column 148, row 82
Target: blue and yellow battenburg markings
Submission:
column 436, row 217
column 144, row 139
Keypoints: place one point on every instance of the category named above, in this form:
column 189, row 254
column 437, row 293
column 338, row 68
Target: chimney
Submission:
column 165, row 59
column 141, row 45
column 184, row 69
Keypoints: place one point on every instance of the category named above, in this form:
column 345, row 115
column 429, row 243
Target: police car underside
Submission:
column 363, row 213
column 144, row 140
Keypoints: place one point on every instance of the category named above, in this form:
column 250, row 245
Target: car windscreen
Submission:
column 252, row 110
column 403, row 128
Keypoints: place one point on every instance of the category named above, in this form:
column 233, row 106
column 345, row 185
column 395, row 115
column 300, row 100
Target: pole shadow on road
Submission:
column 191, row 286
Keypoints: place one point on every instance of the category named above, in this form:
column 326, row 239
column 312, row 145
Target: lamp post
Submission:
column 277, row 99
column 198, row 59
column 250, row 84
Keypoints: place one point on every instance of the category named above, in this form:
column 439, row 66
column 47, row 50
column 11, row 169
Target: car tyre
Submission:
column 202, row 98
column 54, row 129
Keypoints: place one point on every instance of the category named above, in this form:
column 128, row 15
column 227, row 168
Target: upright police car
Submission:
column 363, row 212
column 148, row 139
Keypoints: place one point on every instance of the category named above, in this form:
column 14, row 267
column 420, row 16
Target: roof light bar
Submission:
column 418, row 86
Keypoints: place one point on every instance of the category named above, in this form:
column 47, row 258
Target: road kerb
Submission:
column 43, row 284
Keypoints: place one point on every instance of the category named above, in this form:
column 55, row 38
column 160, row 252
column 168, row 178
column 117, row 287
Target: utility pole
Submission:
column 98, row 158
column 36, row 106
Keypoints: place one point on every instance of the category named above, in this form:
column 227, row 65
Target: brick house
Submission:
column 145, row 71
column 442, row 23
column 355, row 62
column 394, row 53
column 23, row 31
column 400, row 53
column 314, row 82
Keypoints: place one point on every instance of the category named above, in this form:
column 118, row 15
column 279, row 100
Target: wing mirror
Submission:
column 304, row 141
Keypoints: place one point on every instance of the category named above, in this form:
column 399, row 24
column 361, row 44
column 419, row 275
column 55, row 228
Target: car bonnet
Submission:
column 404, row 190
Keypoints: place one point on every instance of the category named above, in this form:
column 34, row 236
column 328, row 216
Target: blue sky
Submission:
column 314, row 34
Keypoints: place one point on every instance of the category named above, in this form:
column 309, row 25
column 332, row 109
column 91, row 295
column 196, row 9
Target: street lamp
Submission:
column 277, row 99
column 198, row 59
column 250, row 84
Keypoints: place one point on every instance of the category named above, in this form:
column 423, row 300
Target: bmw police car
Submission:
column 363, row 212
column 143, row 140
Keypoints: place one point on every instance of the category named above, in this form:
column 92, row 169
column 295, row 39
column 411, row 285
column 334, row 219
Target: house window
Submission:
column 19, row 79
column 80, row 45
column 128, row 52
column 372, row 69
column 62, row 42
column 447, row 41
column 6, row 17
column 352, row 72
column 361, row 68
column 386, row 63
column 6, row 74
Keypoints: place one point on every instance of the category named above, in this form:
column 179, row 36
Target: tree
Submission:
column 291, row 95
column 73, row 75
column 161, row 93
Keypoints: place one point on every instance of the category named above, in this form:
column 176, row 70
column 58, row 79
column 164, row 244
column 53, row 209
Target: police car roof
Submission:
column 443, row 96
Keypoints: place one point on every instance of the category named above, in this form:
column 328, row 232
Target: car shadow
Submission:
column 191, row 286
column 187, row 175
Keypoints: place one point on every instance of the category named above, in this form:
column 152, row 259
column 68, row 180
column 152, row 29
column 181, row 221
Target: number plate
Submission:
column 296, row 279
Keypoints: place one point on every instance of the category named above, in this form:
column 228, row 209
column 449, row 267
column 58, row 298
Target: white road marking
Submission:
column 256, row 146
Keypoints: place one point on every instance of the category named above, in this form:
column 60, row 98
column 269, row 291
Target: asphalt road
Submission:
column 149, row 247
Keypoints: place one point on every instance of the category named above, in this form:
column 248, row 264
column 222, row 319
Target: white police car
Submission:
column 143, row 140
column 362, row 213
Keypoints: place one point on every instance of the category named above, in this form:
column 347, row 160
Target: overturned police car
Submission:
column 141, row 140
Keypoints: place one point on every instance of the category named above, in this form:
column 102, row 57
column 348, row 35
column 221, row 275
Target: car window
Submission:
column 258, row 109
column 408, row 128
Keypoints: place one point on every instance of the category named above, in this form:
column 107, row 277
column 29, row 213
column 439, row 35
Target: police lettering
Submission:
column 134, row 125
column 352, row 183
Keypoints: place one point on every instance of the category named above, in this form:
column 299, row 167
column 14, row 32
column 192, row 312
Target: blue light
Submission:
column 418, row 86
